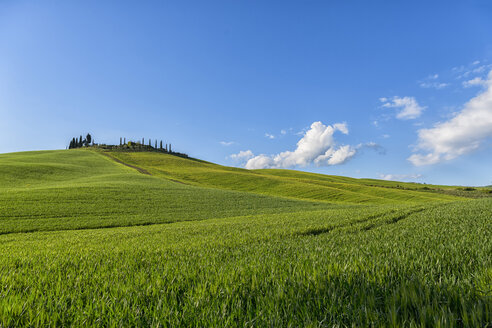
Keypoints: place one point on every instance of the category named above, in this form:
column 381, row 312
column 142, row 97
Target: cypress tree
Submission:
column 120, row 141
column 80, row 142
column 170, row 150
column 150, row 143
column 155, row 144
column 161, row 145
column 88, row 139
column 124, row 141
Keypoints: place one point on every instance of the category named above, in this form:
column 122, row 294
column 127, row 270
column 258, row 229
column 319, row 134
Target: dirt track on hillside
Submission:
column 139, row 169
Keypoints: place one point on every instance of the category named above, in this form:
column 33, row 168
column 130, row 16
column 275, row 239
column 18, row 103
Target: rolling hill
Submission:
column 285, row 183
column 112, row 238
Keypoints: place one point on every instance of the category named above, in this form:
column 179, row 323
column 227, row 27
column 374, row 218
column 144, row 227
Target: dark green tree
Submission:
column 81, row 142
column 88, row 139
column 161, row 145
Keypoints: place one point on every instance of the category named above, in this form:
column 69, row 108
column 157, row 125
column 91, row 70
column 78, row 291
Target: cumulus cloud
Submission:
column 478, row 81
column 408, row 107
column 400, row 177
column 335, row 156
column 269, row 136
column 460, row 135
column 316, row 146
column 243, row 155
column 260, row 162
column 226, row 143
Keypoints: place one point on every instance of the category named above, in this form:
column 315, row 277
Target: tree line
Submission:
column 157, row 145
column 79, row 142
column 161, row 146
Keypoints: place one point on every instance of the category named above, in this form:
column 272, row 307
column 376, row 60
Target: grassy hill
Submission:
column 148, row 239
column 286, row 183
column 59, row 190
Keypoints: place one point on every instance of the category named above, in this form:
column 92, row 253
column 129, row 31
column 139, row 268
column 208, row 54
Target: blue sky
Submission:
column 396, row 90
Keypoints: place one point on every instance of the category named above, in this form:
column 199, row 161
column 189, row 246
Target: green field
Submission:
column 93, row 238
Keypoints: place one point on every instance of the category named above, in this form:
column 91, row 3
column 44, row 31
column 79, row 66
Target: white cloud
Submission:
column 226, row 143
column 470, row 70
column 316, row 146
column 260, row 162
column 408, row 106
column 476, row 62
column 400, row 177
column 459, row 135
column 269, row 136
column 336, row 157
column 480, row 69
column 431, row 82
column 283, row 132
column 434, row 85
column 243, row 155
column 478, row 81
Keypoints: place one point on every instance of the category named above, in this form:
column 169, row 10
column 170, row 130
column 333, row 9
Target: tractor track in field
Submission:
column 82, row 228
column 139, row 169
column 391, row 220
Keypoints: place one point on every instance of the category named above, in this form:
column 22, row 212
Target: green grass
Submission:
column 82, row 189
column 86, row 241
column 286, row 183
